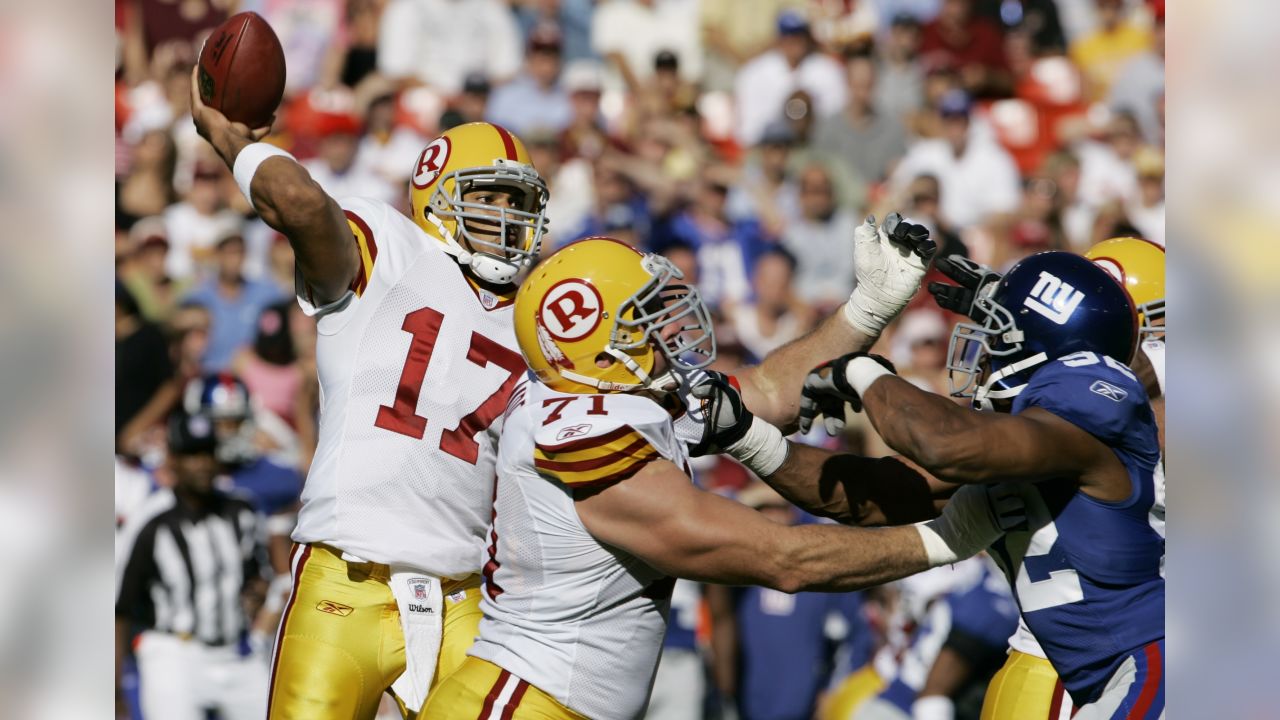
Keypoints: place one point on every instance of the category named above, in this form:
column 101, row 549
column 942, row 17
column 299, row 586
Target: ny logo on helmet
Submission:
column 1053, row 298
column 571, row 310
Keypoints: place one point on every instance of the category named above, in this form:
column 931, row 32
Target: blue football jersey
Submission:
column 269, row 487
column 1087, row 573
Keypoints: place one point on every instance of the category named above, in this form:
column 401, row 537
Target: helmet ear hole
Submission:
column 604, row 360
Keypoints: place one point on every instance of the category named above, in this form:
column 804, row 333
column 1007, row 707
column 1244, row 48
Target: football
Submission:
column 242, row 70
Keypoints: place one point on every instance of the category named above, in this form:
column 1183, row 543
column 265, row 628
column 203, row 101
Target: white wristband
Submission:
column 247, row 163
column 762, row 449
column 861, row 320
column 965, row 527
column 860, row 372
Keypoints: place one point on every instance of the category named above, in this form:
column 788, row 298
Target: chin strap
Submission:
column 486, row 267
column 983, row 396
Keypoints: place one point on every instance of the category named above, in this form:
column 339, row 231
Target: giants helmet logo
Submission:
column 571, row 310
column 1053, row 298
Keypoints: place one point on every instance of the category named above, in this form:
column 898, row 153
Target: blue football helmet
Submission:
column 224, row 399
column 1049, row 305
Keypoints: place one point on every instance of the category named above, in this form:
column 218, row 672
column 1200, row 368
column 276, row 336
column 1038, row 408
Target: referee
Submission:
column 186, row 560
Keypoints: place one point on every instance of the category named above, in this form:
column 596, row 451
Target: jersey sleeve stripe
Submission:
column 368, row 251
column 614, row 477
column 545, row 463
column 619, row 468
column 587, row 443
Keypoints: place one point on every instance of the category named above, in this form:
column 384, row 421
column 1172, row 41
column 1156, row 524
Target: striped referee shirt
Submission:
column 181, row 570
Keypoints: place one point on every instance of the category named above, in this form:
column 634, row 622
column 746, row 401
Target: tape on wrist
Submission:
column 861, row 320
column 763, row 449
column 861, row 372
column 247, row 162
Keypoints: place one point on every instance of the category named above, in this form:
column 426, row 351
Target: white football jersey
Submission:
column 1022, row 640
column 416, row 367
column 582, row 621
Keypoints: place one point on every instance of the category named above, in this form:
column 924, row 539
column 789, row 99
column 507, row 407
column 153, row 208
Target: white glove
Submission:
column 890, row 262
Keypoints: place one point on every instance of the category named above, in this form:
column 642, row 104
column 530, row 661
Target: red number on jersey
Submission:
column 402, row 417
column 597, row 407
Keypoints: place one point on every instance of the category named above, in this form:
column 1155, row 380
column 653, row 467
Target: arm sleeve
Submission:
column 365, row 218
column 1103, row 401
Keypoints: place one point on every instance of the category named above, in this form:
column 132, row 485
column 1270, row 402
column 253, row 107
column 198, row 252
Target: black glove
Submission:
column 913, row 236
column 972, row 278
column 827, row 391
column 725, row 418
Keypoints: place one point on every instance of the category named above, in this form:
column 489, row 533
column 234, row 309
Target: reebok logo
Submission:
column 573, row 431
column 1053, row 298
column 333, row 608
column 1108, row 391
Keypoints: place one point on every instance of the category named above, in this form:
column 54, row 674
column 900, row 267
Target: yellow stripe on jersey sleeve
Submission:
column 595, row 461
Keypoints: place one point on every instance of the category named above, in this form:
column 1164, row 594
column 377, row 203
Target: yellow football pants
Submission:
column 1026, row 688
column 851, row 693
column 341, row 644
column 480, row 690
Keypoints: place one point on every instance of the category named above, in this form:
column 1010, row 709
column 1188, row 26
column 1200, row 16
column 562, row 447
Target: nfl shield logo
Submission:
column 420, row 591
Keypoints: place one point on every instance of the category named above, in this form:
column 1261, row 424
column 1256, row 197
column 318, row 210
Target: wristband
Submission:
column 965, row 527
column 861, row 320
column 762, row 449
column 861, row 372
column 247, row 162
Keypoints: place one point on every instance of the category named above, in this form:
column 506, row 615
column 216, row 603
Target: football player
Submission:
column 595, row 511
column 1028, row 686
column 417, row 359
column 1074, row 440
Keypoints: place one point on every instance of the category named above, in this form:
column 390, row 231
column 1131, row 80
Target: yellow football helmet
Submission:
column 1139, row 266
column 599, row 298
column 496, row 242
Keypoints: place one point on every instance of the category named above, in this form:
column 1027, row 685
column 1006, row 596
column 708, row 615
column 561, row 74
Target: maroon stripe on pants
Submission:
column 493, row 695
column 514, row 702
column 284, row 619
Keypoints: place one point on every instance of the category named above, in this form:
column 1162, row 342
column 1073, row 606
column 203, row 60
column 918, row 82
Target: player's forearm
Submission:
column 856, row 490
column 835, row 558
column 929, row 429
column 771, row 390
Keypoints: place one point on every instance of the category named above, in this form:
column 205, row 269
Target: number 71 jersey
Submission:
column 416, row 367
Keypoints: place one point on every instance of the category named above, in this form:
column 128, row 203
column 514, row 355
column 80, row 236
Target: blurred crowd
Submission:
column 744, row 139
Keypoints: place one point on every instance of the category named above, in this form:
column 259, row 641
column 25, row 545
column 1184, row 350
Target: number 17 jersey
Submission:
column 416, row 366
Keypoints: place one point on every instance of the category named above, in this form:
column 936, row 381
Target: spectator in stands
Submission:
column 822, row 241
column 534, row 100
column 971, row 44
column 1101, row 54
column 665, row 93
column 1106, row 164
column 234, row 303
column 977, row 176
column 385, row 143
column 438, row 42
column 725, row 248
column 919, row 348
column 629, row 34
column 775, row 315
column 145, row 274
column 1145, row 208
column 734, row 31
column 471, row 104
column 148, row 188
column 764, row 85
column 337, row 167
column 198, row 221
column 573, row 17
column 1139, row 85
column 585, row 135
column 766, row 188
column 142, row 359
column 862, row 137
column 900, row 91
